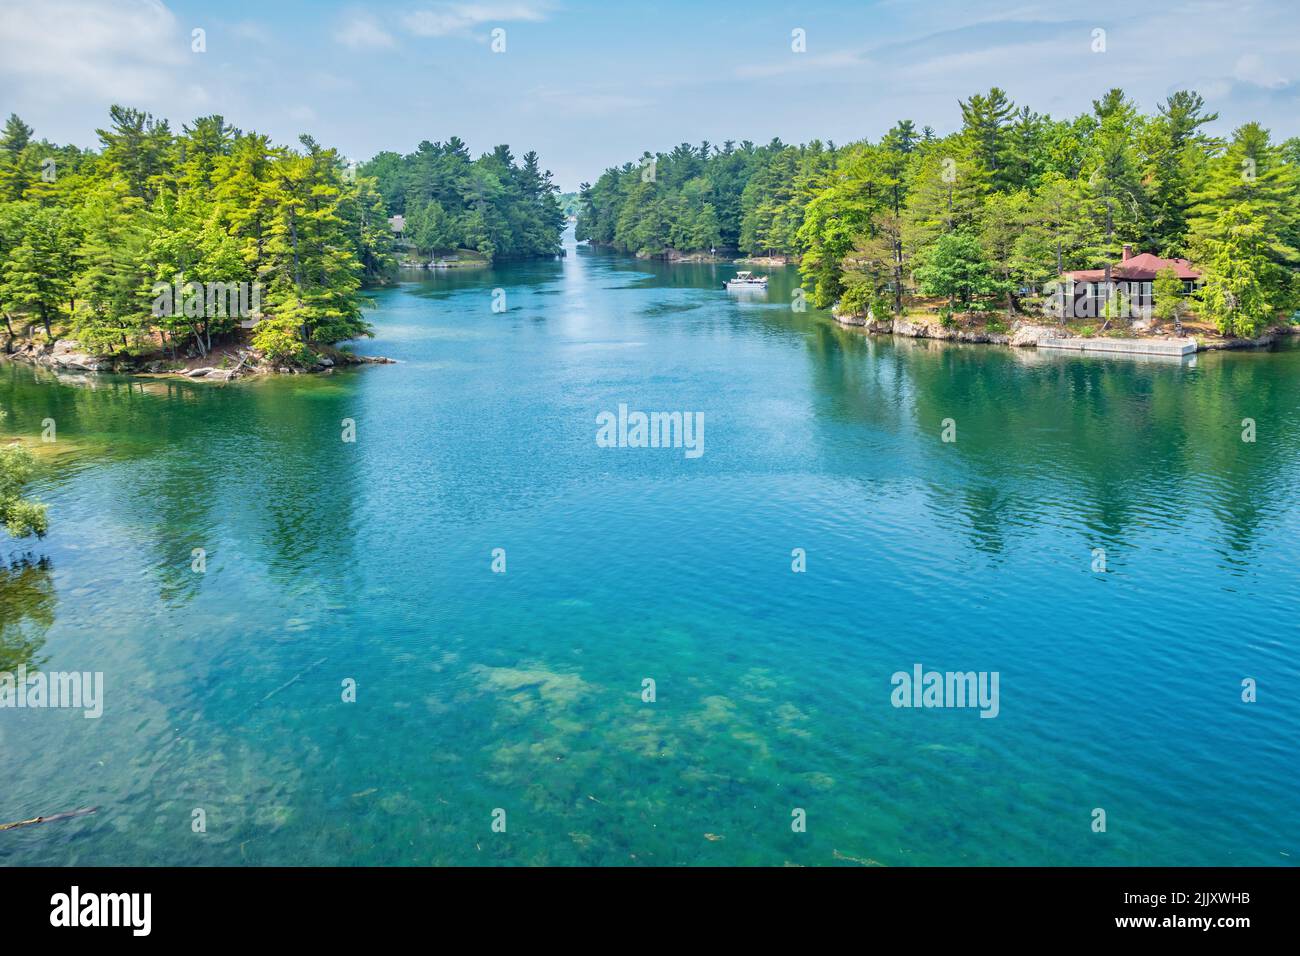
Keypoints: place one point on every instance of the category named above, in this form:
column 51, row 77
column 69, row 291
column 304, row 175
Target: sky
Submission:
column 592, row 85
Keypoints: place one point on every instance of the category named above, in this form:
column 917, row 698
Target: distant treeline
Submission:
column 493, row 205
column 123, row 248
column 1010, row 200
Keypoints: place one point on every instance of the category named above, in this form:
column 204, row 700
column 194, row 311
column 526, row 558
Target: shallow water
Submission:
column 522, row 691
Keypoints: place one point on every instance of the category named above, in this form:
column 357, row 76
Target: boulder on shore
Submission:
column 67, row 354
column 1024, row 335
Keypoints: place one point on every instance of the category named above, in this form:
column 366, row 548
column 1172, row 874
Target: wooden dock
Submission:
column 1166, row 347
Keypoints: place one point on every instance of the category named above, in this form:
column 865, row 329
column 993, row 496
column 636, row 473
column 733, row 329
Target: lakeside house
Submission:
column 398, row 225
column 1134, row 275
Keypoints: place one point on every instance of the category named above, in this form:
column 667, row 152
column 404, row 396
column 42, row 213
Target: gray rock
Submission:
column 1024, row 335
column 67, row 354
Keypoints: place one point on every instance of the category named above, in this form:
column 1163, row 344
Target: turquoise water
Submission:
column 522, row 691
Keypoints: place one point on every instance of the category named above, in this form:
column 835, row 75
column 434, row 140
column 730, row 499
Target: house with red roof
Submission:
column 1133, row 275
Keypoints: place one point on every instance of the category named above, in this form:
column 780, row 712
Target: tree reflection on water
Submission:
column 27, row 604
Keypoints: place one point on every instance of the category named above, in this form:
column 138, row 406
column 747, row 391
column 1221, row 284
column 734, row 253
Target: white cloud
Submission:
column 363, row 32
column 804, row 63
column 1252, row 69
column 988, row 60
column 124, row 50
column 443, row 19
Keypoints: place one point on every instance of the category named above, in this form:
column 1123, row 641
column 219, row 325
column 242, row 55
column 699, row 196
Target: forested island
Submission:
column 492, row 206
column 170, row 247
column 975, row 224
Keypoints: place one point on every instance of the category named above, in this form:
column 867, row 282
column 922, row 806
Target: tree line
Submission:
column 121, row 248
column 1006, row 203
column 492, row 205
column 89, row 237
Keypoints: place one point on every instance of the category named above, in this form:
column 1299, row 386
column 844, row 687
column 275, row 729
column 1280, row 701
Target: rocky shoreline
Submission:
column 66, row 355
column 1022, row 334
column 767, row 262
column 725, row 257
column 674, row 256
column 443, row 264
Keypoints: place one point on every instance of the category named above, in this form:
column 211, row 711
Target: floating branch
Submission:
column 50, row 819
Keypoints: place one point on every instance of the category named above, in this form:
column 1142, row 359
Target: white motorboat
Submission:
column 745, row 281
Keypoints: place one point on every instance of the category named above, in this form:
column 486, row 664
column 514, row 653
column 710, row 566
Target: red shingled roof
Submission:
column 1139, row 268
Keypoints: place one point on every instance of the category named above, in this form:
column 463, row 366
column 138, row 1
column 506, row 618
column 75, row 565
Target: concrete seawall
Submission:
column 1171, row 347
column 1023, row 334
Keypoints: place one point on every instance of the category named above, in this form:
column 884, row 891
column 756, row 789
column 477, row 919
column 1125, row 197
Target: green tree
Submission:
column 835, row 220
column 138, row 148
column 958, row 270
column 16, row 136
column 113, row 278
column 19, row 167
column 311, row 268
column 429, row 228
column 946, row 191
column 1002, row 228
column 39, row 272
column 1177, row 153
column 874, row 273
column 1167, row 290
column 1112, row 170
column 21, row 516
column 1254, row 176
column 1235, row 289
column 987, row 127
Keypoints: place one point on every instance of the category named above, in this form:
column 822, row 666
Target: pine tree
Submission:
column 1112, row 171
column 15, row 137
column 1235, row 288
column 1002, row 225
column 987, row 122
column 114, row 276
column 38, row 274
column 138, row 148
column 1253, row 174
column 1177, row 153
column 856, row 191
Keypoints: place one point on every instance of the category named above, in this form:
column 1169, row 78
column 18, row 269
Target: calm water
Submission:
column 522, row 691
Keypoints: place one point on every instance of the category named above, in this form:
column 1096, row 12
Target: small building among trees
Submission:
column 1133, row 275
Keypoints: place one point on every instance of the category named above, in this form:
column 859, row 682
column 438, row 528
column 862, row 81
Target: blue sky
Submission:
column 590, row 85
